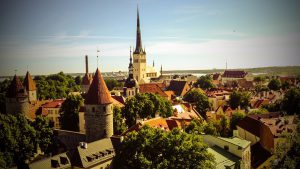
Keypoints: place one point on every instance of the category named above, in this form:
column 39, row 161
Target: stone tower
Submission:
column 139, row 56
column 98, row 110
column 30, row 86
column 87, row 78
column 16, row 97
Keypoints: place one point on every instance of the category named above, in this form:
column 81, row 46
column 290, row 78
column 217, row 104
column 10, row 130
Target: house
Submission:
column 234, row 75
column 267, row 130
column 153, row 88
column 59, row 161
column 229, row 152
column 52, row 111
column 180, row 88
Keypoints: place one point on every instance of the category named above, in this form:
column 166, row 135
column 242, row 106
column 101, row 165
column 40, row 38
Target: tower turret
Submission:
column 99, row 110
column 30, row 86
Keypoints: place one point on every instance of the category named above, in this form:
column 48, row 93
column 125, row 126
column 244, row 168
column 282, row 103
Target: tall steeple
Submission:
column 138, row 47
column 130, row 67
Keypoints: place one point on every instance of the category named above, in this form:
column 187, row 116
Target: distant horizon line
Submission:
column 178, row 70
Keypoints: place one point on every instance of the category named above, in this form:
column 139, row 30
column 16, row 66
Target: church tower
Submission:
column 98, row 110
column 16, row 97
column 131, row 86
column 139, row 56
column 30, row 86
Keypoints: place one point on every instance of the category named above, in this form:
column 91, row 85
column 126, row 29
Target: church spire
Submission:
column 130, row 67
column 138, row 47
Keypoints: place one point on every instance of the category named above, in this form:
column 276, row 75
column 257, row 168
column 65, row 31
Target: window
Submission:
column 104, row 109
column 93, row 109
column 226, row 148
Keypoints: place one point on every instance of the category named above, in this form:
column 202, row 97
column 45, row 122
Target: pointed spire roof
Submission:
column 28, row 83
column 16, row 88
column 138, row 46
column 98, row 92
column 87, row 79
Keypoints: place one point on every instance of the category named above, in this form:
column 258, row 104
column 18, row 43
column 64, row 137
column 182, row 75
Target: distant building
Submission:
column 17, row 97
column 30, row 86
column 52, row 111
column 98, row 110
column 141, row 72
column 234, row 75
column 87, row 78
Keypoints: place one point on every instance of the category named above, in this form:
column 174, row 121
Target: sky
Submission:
column 47, row 37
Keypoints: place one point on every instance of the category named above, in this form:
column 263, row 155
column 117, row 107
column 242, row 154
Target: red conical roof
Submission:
column 16, row 89
column 98, row 92
column 28, row 83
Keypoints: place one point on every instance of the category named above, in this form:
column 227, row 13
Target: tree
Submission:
column 145, row 105
column 259, row 111
column 18, row 140
column 274, row 84
column 259, row 79
column 155, row 148
column 119, row 124
column 273, row 107
column 78, row 80
column 112, row 83
column 291, row 101
column 224, row 129
column 196, row 126
column 44, row 133
column 201, row 101
column 241, row 99
column 236, row 117
column 205, row 82
column 3, row 88
column 69, row 116
column 55, row 86
column 261, row 88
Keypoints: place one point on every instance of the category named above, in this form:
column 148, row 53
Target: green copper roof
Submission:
column 224, row 160
column 236, row 141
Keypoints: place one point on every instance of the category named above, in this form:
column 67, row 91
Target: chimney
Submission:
column 86, row 64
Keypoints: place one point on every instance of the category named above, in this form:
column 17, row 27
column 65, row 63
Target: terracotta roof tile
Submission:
column 178, row 87
column 98, row 92
column 152, row 88
column 234, row 73
column 29, row 83
column 16, row 89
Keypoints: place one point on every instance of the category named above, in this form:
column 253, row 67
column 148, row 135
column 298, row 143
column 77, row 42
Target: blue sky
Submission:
column 52, row 36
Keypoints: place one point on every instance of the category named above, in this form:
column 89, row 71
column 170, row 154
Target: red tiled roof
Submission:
column 178, row 87
column 98, row 92
column 260, row 102
column 152, row 88
column 29, row 83
column 87, row 79
column 234, row 73
column 54, row 104
column 16, row 89
column 119, row 99
column 216, row 76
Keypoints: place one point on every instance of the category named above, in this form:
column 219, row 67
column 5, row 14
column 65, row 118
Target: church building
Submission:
column 141, row 72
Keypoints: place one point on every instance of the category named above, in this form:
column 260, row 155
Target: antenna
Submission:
column 97, row 56
column 226, row 64
column 27, row 68
column 16, row 71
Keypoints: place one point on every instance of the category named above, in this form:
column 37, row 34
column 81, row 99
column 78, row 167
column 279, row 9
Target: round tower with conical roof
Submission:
column 16, row 97
column 30, row 86
column 98, row 110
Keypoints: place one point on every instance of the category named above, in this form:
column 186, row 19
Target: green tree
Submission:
column 274, row 84
column 155, row 148
column 205, row 82
column 261, row 88
column 196, row 126
column 18, row 140
column 69, row 115
column 210, row 128
column 78, row 80
column 44, row 133
column 3, row 88
column 241, row 99
column 259, row 79
column 119, row 124
column 145, row 105
column 200, row 100
column 55, row 86
column 291, row 101
column 259, row 111
column 112, row 83
column 224, row 127
column 236, row 117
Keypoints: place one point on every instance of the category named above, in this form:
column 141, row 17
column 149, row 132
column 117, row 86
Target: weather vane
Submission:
column 97, row 55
